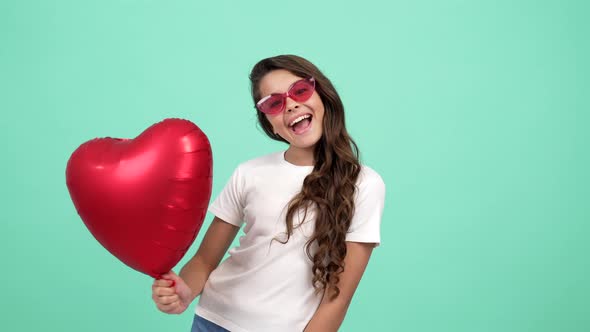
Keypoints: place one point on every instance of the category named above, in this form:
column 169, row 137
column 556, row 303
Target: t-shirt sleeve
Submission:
column 369, row 202
column 229, row 204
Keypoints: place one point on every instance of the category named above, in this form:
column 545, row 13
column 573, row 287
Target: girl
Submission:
column 311, row 217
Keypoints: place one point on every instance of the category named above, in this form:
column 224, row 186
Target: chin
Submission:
column 306, row 144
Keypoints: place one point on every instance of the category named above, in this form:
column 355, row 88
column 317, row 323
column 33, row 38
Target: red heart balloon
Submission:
column 144, row 199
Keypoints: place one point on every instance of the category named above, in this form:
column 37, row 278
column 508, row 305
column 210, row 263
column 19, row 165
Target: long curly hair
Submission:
column 330, row 187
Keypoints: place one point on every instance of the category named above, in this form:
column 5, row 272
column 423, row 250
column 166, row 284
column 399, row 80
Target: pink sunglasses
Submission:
column 299, row 91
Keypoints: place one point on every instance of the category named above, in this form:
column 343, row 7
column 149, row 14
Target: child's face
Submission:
column 307, row 132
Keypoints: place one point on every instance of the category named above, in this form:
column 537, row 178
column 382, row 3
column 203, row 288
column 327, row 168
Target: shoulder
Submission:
column 368, row 177
column 258, row 163
column 370, row 185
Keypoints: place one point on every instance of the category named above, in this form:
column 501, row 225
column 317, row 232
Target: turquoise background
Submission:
column 475, row 113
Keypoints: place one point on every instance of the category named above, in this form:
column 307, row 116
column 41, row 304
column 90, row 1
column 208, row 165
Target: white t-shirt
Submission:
column 267, row 286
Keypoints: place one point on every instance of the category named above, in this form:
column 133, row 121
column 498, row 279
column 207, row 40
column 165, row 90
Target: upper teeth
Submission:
column 299, row 119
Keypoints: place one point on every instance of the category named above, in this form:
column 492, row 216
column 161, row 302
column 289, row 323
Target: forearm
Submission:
column 195, row 274
column 331, row 312
column 328, row 317
column 211, row 250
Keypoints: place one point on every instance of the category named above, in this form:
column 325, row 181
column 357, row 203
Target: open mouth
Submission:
column 301, row 124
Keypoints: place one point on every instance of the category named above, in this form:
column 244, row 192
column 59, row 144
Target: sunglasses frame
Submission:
column 284, row 96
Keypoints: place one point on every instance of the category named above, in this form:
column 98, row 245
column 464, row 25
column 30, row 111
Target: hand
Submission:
column 171, row 294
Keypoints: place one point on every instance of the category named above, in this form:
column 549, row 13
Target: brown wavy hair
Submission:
column 330, row 187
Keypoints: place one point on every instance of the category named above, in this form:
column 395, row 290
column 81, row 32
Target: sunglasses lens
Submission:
column 301, row 90
column 272, row 105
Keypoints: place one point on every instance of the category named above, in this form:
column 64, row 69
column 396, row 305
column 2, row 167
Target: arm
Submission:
column 173, row 294
column 217, row 240
column 330, row 313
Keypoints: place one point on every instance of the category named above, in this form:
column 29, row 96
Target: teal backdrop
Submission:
column 475, row 113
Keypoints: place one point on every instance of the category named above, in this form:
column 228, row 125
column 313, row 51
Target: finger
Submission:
column 169, row 308
column 158, row 289
column 168, row 299
column 169, row 275
column 163, row 283
column 162, row 291
column 157, row 297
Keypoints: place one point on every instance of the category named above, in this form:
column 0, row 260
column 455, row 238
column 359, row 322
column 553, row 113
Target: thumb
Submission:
column 170, row 275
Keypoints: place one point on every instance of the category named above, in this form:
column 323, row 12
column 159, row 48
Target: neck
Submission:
column 300, row 156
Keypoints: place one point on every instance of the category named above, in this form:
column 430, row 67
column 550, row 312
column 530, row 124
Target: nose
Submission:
column 291, row 104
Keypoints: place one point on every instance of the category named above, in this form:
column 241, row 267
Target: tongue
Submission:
column 301, row 125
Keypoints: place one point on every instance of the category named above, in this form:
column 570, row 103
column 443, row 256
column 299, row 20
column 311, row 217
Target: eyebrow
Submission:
column 290, row 85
